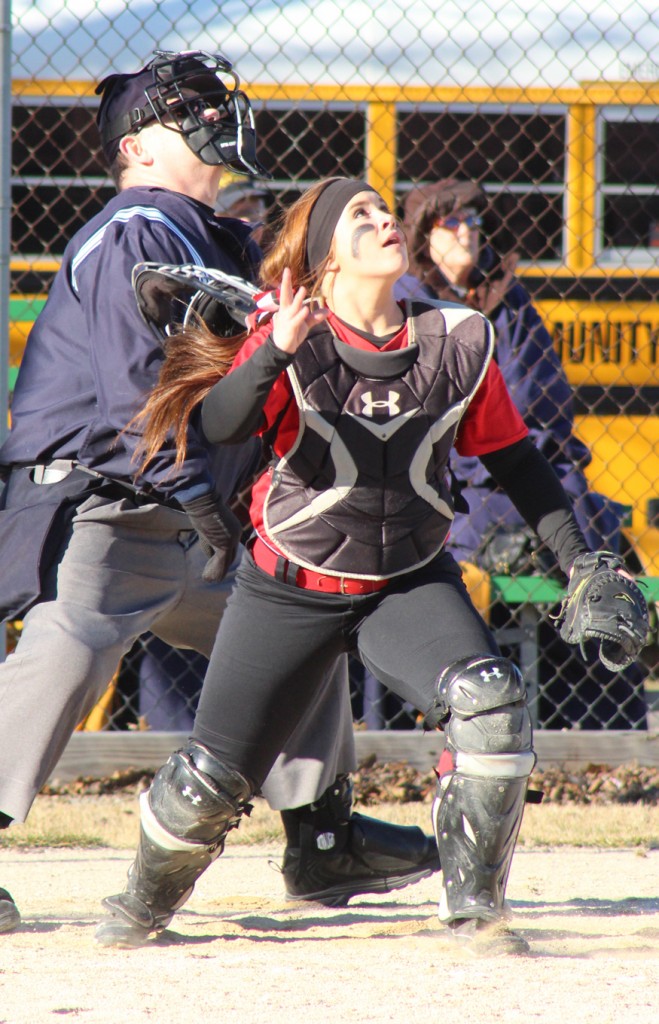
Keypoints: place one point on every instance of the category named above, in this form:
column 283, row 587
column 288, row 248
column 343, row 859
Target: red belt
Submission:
column 278, row 566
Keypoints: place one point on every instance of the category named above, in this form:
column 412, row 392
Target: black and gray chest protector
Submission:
column 363, row 490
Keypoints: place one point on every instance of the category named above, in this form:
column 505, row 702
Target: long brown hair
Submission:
column 196, row 358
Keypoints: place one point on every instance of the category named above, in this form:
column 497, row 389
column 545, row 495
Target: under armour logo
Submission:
column 391, row 403
column 492, row 674
column 190, row 795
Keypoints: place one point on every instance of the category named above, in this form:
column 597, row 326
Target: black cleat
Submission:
column 377, row 858
column 130, row 923
column 10, row 916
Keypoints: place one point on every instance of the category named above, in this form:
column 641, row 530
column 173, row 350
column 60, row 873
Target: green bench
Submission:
column 538, row 591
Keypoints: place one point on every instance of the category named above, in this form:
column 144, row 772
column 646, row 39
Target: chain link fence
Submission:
column 550, row 108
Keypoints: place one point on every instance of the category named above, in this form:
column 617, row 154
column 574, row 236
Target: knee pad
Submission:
column 483, row 702
column 195, row 798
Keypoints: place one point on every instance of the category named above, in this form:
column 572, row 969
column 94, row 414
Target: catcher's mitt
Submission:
column 603, row 605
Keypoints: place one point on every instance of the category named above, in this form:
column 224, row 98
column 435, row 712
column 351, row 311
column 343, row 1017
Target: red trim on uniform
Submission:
column 446, row 763
column 492, row 421
column 269, row 561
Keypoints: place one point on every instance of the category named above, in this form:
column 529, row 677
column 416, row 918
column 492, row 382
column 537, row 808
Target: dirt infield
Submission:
column 238, row 952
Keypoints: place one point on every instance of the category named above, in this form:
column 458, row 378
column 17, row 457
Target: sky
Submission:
column 402, row 42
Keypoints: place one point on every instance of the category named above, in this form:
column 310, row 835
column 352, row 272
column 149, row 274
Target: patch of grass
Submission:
column 112, row 821
column 50, row 838
column 77, row 822
column 604, row 827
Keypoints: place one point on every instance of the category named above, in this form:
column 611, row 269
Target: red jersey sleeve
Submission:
column 251, row 343
column 279, row 401
column 492, row 420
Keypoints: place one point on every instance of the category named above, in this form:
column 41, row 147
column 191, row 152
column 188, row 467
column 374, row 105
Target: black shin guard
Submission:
column 193, row 802
column 479, row 805
column 476, row 825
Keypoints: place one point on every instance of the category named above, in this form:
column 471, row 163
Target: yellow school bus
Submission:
column 573, row 173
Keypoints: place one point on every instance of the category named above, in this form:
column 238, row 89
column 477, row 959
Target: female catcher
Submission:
column 359, row 400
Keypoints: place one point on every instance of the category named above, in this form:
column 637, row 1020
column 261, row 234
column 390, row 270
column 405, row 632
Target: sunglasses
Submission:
column 453, row 223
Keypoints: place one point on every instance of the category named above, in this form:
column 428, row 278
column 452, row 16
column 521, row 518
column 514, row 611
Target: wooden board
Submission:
column 99, row 754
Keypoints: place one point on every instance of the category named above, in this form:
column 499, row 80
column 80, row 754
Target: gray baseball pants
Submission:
column 125, row 570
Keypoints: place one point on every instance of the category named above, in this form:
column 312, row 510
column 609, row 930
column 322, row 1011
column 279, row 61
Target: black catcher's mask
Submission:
column 175, row 89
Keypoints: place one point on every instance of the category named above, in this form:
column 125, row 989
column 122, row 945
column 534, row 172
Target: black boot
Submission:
column 10, row 917
column 333, row 854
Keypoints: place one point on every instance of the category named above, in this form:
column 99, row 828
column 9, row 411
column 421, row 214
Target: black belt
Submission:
column 114, row 488
column 58, row 469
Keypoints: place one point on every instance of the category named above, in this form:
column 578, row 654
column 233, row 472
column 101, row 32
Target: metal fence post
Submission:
column 5, row 221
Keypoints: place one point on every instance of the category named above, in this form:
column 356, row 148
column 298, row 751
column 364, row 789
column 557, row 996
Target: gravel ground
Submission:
column 239, row 952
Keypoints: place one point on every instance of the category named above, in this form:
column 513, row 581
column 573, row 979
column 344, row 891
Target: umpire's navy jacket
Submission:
column 91, row 359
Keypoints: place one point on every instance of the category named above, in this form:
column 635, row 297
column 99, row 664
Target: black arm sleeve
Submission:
column 233, row 410
column 537, row 493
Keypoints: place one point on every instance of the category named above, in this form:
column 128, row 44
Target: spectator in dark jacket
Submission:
column 461, row 251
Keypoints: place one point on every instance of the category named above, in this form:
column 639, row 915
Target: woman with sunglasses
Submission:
column 461, row 251
column 443, row 225
column 359, row 399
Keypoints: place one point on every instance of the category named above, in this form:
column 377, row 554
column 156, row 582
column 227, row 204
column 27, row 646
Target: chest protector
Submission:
column 363, row 491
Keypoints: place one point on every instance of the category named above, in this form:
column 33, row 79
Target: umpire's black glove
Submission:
column 219, row 533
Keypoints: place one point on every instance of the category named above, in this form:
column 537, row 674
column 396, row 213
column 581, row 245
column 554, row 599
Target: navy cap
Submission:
column 129, row 102
column 124, row 107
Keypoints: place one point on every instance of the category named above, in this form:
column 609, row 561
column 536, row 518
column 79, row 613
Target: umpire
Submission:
column 94, row 556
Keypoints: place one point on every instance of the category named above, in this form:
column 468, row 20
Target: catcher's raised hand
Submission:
column 603, row 603
column 295, row 316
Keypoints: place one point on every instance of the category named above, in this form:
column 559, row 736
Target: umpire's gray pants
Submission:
column 123, row 571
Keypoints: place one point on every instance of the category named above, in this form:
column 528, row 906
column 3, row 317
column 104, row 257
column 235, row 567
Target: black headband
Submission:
column 325, row 214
